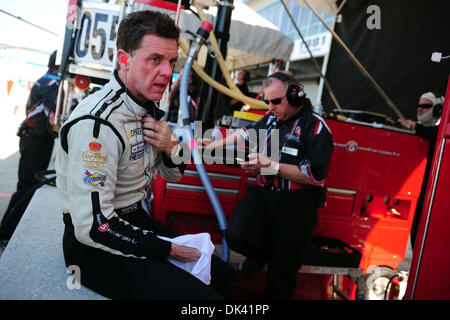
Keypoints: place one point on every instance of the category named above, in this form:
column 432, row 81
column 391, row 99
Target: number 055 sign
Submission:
column 96, row 39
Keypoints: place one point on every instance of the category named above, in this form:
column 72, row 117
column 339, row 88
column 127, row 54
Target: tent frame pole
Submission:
column 316, row 64
column 359, row 65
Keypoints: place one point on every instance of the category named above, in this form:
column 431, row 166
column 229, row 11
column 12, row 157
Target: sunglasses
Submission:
column 424, row 105
column 274, row 101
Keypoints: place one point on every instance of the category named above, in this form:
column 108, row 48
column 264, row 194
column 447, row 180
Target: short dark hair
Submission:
column 140, row 23
column 247, row 76
column 52, row 62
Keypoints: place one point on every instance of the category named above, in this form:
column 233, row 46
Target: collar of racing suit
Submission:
column 149, row 107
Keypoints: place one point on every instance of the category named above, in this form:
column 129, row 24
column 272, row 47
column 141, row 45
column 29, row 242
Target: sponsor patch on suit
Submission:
column 94, row 179
column 135, row 137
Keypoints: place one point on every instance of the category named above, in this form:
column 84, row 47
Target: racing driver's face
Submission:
column 150, row 67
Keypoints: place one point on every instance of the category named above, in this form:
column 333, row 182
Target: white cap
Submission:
column 430, row 96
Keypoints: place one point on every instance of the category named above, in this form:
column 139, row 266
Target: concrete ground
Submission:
column 11, row 115
column 10, row 119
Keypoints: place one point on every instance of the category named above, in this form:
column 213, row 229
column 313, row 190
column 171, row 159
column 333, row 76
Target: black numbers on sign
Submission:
column 98, row 54
column 99, row 33
column 315, row 42
column 86, row 19
column 112, row 36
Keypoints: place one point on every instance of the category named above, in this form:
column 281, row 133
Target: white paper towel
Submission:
column 201, row 268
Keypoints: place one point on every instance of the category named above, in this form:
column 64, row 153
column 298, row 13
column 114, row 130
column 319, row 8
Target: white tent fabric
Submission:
column 253, row 39
column 328, row 6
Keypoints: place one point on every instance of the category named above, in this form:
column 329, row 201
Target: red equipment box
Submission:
column 373, row 183
column 185, row 206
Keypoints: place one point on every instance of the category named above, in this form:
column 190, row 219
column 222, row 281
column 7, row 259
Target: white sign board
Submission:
column 96, row 41
column 319, row 44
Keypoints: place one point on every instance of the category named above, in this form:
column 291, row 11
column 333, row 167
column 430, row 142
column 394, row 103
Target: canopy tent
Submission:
column 253, row 39
column 328, row 6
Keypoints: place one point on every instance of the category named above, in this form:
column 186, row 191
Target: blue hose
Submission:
column 196, row 156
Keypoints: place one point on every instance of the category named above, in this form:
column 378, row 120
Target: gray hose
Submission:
column 196, row 156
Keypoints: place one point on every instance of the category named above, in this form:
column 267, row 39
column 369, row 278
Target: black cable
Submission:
column 34, row 25
column 390, row 280
column 195, row 13
column 313, row 59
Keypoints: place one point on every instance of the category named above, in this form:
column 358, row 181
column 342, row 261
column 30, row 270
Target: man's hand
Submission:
column 205, row 143
column 409, row 124
column 158, row 134
column 208, row 144
column 256, row 162
column 184, row 254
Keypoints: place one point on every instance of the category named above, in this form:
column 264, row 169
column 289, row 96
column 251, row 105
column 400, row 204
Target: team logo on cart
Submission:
column 351, row 146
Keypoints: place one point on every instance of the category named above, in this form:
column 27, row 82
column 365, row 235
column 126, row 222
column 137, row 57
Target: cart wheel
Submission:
column 373, row 284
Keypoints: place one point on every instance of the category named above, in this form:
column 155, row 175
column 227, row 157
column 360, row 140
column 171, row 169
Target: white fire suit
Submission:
column 103, row 164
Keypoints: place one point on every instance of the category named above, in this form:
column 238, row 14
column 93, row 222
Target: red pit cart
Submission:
column 373, row 185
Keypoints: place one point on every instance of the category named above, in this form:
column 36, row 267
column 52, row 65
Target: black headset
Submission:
column 437, row 108
column 294, row 92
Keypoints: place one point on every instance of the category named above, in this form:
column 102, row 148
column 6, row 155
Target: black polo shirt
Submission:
column 304, row 140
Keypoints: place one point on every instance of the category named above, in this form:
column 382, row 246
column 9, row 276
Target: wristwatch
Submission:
column 273, row 170
column 276, row 169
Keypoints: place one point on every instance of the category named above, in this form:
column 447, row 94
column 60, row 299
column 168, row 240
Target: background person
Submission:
column 242, row 79
column 272, row 225
column 227, row 105
column 193, row 96
column 429, row 110
column 35, row 146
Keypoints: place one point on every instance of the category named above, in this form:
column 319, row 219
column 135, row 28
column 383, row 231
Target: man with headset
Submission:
column 104, row 167
column 429, row 109
column 273, row 223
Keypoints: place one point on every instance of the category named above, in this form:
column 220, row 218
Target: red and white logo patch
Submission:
column 298, row 131
column 95, row 146
column 351, row 146
column 103, row 227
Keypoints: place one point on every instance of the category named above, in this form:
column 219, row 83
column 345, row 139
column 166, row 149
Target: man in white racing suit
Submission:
column 104, row 167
